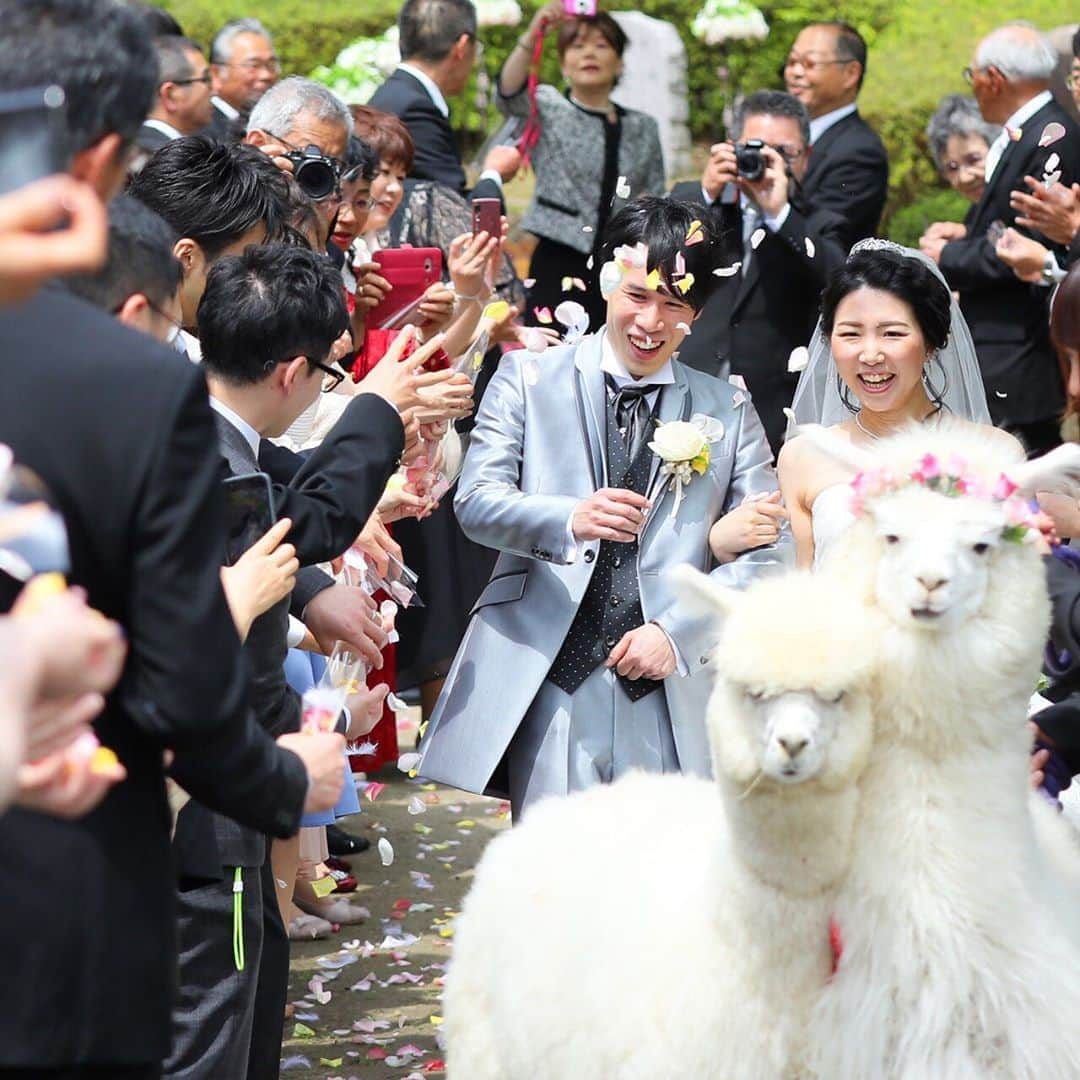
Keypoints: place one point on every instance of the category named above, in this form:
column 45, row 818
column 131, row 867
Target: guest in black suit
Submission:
column 121, row 432
column 244, row 66
column 848, row 171
column 1008, row 318
column 438, row 49
column 757, row 317
column 181, row 105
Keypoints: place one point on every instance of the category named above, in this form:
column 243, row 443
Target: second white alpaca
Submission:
column 962, row 951
column 669, row 927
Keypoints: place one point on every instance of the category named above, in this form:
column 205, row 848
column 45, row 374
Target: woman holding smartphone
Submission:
column 590, row 152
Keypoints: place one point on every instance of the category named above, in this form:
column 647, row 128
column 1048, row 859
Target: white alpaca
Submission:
column 962, row 956
column 669, row 927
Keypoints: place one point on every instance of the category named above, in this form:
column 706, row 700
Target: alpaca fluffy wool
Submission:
column 670, row 927
column 961, row 939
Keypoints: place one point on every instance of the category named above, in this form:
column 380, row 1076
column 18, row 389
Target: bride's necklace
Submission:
column 874, row 436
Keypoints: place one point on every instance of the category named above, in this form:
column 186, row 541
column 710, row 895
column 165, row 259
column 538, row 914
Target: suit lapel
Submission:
column 592, row 404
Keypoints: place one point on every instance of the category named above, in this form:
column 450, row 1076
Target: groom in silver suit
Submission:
column 578, row 664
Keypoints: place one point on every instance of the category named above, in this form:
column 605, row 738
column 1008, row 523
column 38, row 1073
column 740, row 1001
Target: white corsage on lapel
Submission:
column 684, row 450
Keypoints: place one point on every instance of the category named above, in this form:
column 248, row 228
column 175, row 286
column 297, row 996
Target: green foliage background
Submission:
column 918, row 49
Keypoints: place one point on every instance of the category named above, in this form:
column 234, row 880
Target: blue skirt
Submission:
column 303, row 671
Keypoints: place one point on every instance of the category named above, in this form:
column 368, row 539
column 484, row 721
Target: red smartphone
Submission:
column 410, row 272
column 487, row 217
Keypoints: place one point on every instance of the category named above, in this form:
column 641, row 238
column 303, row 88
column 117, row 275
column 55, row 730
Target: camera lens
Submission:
column 749, row 160
column 316, row 178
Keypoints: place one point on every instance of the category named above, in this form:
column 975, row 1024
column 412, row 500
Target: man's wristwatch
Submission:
column 1051, row 272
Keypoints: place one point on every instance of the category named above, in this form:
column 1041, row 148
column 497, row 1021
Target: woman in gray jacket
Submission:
column 590, row 152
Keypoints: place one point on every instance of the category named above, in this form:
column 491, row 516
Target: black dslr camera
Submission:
column 749, row 160
column 317, row 174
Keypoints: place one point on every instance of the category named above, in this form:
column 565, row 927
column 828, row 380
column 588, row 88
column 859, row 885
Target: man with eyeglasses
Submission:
column 304, row 128
column 181, row 105
column 848, row 170
column 1038, row 151
column 784, row 248
column 243, row 66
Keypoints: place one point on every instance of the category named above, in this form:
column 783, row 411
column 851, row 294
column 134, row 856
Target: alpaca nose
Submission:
column 793, row 744
column 930, row 582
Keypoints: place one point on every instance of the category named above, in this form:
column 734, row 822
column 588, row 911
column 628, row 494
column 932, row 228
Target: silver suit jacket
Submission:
column 536, row 452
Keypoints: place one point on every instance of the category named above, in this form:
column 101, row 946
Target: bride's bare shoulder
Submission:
column 800, row 453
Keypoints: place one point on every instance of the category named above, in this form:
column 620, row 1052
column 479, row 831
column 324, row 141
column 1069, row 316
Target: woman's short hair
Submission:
column 385, row 134
column 609, row 29
column 956, row 114
column 908, row 279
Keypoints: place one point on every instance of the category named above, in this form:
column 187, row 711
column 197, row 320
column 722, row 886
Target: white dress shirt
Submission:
column 224, row 107
column 166, row 129
column 1016, row 122
column 821, row 124
column 251, row 436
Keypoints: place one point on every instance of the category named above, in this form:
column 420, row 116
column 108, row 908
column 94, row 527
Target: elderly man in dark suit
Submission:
column 181, row 105
column 1010, row 78
column 760, row 315
column 243, row 66
column 848, row 169
column 120, row 430
column 438, row 49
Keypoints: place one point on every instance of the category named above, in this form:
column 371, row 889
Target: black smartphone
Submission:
column 33, row 136
column 249, row 512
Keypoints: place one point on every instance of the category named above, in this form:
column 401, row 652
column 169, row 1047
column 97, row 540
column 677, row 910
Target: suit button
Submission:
column 590, row 555
column 614, row 601
column 609, row 642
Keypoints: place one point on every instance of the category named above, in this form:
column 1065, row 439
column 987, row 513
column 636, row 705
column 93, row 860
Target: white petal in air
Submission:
column 386, row 851
column 683, row 327
column 1052, row 162
column 756, row 237
column 810, row 249
column 1051, row 133
column 622, row 188
column 728, row 271
column 799, row 358
column 1050, row 179
column 416, row 805
column 408, row 762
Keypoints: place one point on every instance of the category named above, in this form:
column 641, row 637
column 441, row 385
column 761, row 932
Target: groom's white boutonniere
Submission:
column 684, row 448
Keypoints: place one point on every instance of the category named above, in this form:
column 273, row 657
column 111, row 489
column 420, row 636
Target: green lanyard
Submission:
column 238, row 919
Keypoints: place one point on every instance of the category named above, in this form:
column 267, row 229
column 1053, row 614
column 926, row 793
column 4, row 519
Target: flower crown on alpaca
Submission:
column 952, row 479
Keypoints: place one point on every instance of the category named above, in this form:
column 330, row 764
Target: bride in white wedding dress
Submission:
column 891, row 349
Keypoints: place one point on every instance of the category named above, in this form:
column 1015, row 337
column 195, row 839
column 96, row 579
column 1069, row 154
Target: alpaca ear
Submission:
column 836, row 447
column 698, row 594
column 1058, row 470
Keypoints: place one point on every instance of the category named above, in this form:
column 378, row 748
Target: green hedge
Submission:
column 918, row 49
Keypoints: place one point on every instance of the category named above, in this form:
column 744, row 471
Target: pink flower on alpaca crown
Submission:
column 929, row 467
column 1003, row 488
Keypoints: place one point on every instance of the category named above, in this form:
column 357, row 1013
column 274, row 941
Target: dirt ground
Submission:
column 377, row 1011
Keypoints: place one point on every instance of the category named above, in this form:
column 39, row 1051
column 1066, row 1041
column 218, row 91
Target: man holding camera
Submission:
column 765, row 309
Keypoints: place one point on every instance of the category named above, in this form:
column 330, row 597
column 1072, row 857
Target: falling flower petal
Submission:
column 1014, row 133
column 1052, row 162
column 302, row 1031
column 374, row 789
column 799, row 358
column 756, row 237
column 296, row 1061
column 567, row 284
column 680, row 265
column 1051, row 133
column 529, row 282
column 477, row 360
column 570, row 313
column 331, row 1063
column 416, row 805
column 728, row 271
column 386, row 851
column 586, row 228
column 497, row 311
column 534, row 339
column 683, row 327
column 632, row 257
column 694, row 234
column 543, row 315
column 685, row 284
column 610, row 276
column 407, row 762
column 652, row 280
column 622, row 188
column 810, row 249
column 1051, row 179
column 589, row 263
column 395, row 704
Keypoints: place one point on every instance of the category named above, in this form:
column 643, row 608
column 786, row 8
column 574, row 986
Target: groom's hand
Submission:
column 643, row 653
column 611, row 514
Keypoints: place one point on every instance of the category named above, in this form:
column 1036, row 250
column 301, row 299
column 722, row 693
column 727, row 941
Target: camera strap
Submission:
column 530, row 136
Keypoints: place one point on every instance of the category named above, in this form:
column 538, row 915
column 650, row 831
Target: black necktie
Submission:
column 632, row 413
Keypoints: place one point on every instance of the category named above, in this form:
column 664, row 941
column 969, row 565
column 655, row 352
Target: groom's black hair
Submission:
column 664, row 226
